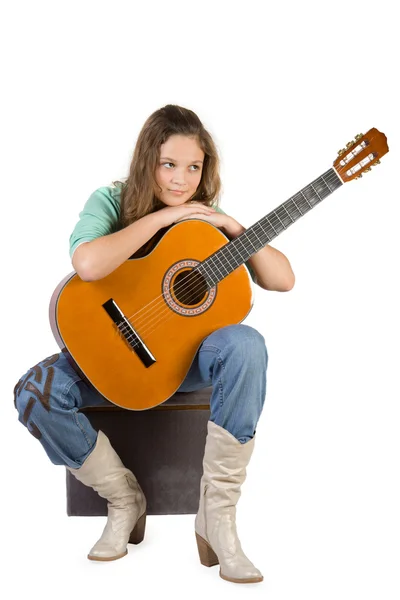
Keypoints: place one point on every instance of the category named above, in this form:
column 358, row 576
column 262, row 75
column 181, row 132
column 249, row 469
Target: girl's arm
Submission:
column 98, row 258
column 272, row 267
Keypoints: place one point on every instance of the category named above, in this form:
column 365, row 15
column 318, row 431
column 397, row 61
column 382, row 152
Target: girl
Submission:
column 174, row 175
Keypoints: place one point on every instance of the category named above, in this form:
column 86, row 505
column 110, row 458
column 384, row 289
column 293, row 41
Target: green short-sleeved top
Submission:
column 100, row 216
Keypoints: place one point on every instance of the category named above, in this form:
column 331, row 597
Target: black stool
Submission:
column 162, row 446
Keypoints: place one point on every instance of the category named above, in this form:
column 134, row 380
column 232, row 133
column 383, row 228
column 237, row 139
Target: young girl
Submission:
column 174, row 175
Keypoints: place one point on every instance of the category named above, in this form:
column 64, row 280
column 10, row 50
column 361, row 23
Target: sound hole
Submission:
column 189, row 287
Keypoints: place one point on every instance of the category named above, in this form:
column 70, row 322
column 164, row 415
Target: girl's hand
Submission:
column 215, row 218
column 230, row 226
column 223, row 221
column 189, row 210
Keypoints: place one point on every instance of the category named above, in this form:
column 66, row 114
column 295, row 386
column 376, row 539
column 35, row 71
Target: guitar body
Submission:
column 142, row 362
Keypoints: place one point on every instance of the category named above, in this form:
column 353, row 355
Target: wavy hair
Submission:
column 138, row 191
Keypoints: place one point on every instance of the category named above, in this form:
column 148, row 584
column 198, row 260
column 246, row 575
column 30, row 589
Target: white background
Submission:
column 281, row 87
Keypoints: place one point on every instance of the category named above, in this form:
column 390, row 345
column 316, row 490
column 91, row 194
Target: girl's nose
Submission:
column 178, row 176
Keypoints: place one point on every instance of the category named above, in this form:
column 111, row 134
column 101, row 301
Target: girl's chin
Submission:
column 174, row 199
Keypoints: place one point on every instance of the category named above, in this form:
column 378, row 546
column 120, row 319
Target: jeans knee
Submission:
column 249, row 342
column 35, row 388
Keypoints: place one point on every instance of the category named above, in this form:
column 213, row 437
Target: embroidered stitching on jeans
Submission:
column 44, row 398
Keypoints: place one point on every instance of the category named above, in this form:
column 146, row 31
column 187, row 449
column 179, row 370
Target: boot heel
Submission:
column 137, row 534
column 208, row 558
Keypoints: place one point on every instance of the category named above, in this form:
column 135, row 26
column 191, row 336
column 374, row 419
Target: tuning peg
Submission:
column 341, row 151
column 377, row 162
column 367, row 169
column 349, row 144
column 359, row 136
column 359, row 176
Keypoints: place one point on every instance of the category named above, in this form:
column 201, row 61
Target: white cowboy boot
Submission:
column 224, row 470
column 105, row 473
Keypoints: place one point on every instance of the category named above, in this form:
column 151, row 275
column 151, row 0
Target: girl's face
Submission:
column 179, row 169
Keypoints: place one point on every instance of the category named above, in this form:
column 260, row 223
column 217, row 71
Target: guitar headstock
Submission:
column 361, row 154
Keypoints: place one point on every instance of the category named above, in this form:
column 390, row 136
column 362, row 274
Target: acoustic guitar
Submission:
column 134, row 334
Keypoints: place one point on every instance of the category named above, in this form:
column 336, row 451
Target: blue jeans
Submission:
column 233, row 360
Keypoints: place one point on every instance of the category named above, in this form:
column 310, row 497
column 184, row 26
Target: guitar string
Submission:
column 198, row 287
column 167, row 309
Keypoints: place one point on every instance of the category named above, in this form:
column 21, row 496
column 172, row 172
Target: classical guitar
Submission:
column 133, row 334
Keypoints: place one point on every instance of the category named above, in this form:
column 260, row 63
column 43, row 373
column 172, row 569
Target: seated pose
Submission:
column 174, row 175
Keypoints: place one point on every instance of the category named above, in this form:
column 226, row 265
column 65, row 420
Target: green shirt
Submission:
column 100, row 216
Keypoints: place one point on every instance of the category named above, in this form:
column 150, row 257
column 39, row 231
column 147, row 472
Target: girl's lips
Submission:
column 177, row 192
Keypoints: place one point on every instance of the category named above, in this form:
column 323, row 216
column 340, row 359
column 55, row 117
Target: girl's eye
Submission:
column 196, row 167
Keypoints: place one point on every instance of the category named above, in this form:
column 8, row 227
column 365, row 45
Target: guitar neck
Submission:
column 225, row 260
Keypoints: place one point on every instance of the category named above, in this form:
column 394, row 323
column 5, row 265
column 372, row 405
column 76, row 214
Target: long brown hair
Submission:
column 137, row 192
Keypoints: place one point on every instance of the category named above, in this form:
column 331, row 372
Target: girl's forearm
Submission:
column 100, row 257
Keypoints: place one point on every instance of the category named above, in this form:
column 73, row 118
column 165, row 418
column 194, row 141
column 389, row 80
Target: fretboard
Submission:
column 236, row 252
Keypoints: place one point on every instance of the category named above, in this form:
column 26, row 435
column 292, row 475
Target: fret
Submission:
column 255, row 233
column 269, row 223
column 223, row 257
column 228, row 248
column 214, row 275
column 297, row 207
column 288, row 214
column 312, row 195
column 206, row 266
column 315, row 191
column 281, row 222
column 321, row 188
column 238, row 240
column 216, row 258
column 248, row 238
column 261, row 236
column 326, row 184
column 265, row 232
column 209, row 277
column 292, row 210
column 333, row 179
column 301, row 192
column 264, row 226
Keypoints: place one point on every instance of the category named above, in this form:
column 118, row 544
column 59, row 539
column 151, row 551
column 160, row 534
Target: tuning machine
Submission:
column 356, row 138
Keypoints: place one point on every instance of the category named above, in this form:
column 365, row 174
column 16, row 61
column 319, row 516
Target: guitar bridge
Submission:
column 128, row 333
